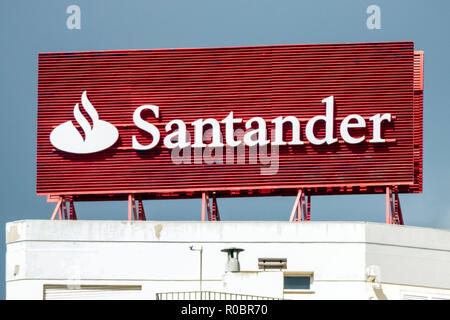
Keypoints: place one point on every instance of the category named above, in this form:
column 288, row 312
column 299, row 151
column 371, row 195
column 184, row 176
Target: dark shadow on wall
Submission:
column 380, row 294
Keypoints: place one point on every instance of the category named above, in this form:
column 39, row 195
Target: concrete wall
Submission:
column 156, row 256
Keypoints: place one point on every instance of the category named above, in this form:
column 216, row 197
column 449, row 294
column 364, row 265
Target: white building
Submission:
column 137, row 260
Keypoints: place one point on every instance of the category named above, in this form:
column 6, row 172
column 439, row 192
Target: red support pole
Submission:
column 141, row 211
column 70, row 204
column 398, row 209
column 133, row 203
column 64, row 205
column 72, row 213
column 295, row 207
column 215, row 207
column 60, row 210
column 388, row 197
column 396, row 219
column 393, row 209
column 130, row 208
column 208, row 207
column 203, row 206
column 392, row 205
column 303, row 213
column 308, row 214
column 400, row 215
column 58, row 207
column 217, row 213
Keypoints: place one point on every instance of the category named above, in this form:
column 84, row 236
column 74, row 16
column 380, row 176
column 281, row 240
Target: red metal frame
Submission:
column 210, row 209
column 133, row 212
column 141, row 211
column 393, row 209
column 301, row 211
column 63, row 212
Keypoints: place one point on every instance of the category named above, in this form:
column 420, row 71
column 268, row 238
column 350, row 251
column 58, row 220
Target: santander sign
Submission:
column 102, row 135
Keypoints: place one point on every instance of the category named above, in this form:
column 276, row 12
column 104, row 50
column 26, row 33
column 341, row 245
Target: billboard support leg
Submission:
column 203, row 206
column 212, row 209
column 131, row 207
column 72, row 212
column 65, row 209
column 134, row 209
column 296, row 209
column 391, row 202
column 308, row 209
column 393, row 209
column 60, row 216
column 141, row 211
column 398, row 217
column 58, row 206
column 215, row 209
column 303, row 212
column 208, row 207
column 64, row 205
column 388, row 199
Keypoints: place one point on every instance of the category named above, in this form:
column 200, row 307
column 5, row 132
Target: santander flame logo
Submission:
column 100, row 136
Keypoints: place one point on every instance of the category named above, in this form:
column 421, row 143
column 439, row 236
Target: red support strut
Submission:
column 308, row 214
column 393, row 209
column 72, row 212
column 133, row 212
column 141, row 211
column 301, row 210
column 215, row 209
column 65, row 209
column 210, row 209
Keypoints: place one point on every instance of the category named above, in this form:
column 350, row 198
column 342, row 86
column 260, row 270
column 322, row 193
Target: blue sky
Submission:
column 30, row 27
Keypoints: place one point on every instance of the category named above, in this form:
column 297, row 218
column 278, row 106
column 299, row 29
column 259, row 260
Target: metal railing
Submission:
column 208, row 295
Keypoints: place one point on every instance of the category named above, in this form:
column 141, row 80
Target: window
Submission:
column 293, row 282
column 423, row 296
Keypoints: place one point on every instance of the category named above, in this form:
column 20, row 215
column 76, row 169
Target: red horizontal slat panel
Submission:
column 418, row 121
column 267, row 81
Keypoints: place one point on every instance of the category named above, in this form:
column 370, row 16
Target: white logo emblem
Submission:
column 100, row 136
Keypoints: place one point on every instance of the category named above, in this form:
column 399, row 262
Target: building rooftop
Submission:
column 156, row 256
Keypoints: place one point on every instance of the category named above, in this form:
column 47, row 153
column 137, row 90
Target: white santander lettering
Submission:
column 229, row 122
column 180, row 135
column 148, row 127
column 101, row 134
column 256, row 134
column 279, row 122
column 345, row 125
column 329, row 124
column 198, row 133
column 260, row 132
column 377, row 119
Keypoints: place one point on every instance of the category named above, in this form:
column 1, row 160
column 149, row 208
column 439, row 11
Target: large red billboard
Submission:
column 240, row 121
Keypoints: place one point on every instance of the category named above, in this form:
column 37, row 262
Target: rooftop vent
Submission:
column 232, row 264
column 272, row 263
